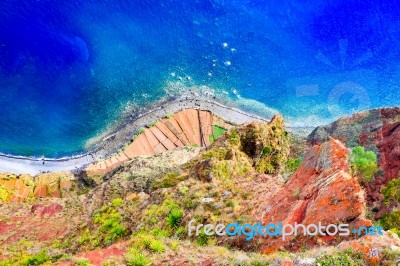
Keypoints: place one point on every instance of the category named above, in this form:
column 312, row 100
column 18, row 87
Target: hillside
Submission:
column 139, row 211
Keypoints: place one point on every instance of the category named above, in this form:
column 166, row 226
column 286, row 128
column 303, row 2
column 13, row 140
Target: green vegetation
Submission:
column 147, row 241
column 109, row 226
column 217, row 133
column 145, row 246
column 82, row 262
column 174, row 218
column 391, row 192
column 267, row 145
column 346, row 258
column 136, row 258
column 4, row 194
column 363, row 163
column 152, row 124
column 202, row 239
column 159, row 232
column 166, row 214
column 117, row 202
column 25, row 259
column 234, row 137
column 37, row 259
column 390, row 257
column 292, row 165
column 391, row 221
column 169, row 180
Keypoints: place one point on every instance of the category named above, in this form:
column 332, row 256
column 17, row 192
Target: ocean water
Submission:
column 69, row 69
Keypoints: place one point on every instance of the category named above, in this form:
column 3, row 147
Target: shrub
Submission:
column 174, row 245
column 145, row 240
column 391, row 191
column 157, row 246
column 396, row 231
column 136, row 258
column 266, row 151
column 202, row 239
column 36, row 259
column 117, row 202
column 347, row 258
column 110, row 224
column 390, row 257
column 391, row 220
column 174, row 218
column 82, row 262
column 292, row 165
column 364, row 163
column 169, row 180
column 159, row 232
column 4, row 194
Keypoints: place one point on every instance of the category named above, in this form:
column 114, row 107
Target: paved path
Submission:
column 113, row 142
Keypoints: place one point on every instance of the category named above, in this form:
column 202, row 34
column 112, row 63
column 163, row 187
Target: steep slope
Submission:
column 139, row 213
column 377, row 130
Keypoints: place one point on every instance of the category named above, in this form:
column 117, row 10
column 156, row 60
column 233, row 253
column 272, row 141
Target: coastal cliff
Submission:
column 140, row 211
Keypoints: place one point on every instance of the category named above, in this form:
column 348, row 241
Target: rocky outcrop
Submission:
column 141, row 210
column 377, row 130
column 321, row 190
column 248, row 149
column 21, row 187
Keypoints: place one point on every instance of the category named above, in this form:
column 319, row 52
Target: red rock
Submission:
column 99, row 256
column 19, row 184
column 9, row 184
column 377, row 130
column 371, row 247
column 22, row 193
column 208, row 262
column 4, row 227
column 40, row 192
column 321, row 190
column 50, row 209
column 65, row 185
column 55, row 194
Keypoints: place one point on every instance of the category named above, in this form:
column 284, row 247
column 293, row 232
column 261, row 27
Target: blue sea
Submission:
column 70, row 69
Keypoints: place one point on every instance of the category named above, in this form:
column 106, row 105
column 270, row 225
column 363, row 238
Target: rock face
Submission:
column 377, row 130
column 43, row 221
column 261, row 148
column 18, row 188
column 322, row 190
column 142, row 208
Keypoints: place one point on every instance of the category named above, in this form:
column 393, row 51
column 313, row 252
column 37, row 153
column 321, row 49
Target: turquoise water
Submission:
column 69, row 70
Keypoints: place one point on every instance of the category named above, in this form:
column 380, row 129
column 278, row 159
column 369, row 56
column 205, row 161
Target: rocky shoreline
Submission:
column 122, row 134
